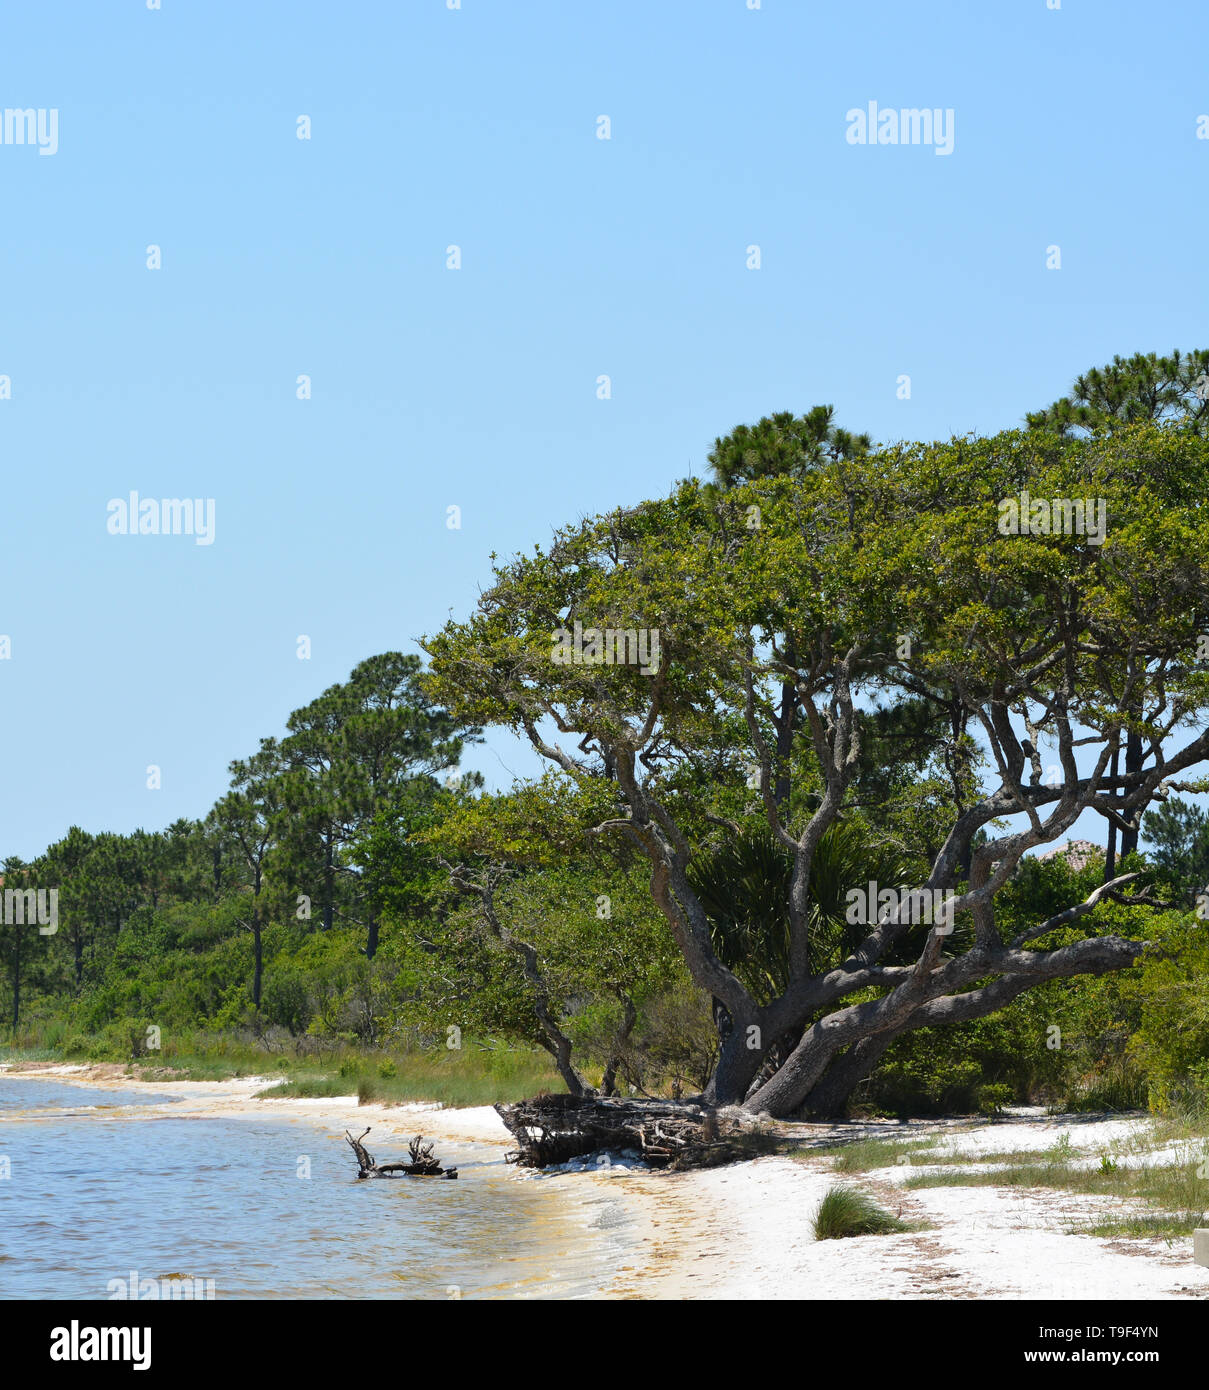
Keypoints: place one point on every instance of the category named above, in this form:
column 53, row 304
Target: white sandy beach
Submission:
column 744, row 1231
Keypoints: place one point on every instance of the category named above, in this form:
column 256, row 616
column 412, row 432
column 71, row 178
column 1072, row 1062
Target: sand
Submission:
column 745, row 1231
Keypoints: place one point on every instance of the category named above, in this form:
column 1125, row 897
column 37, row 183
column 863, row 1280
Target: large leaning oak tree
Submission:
column 864, row 583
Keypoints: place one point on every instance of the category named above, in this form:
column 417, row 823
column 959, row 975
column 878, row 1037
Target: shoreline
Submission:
column 580, row 1196
column 236, row 1096
column 744, row 1231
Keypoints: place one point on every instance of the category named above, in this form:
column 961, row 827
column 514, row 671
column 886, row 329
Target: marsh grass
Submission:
column 861, row 1155
column 1120, row 1090
column 197, row 1067
column 1185, row 1116
column 1167, row 1225
column 29, row 1054
column 955, row 1159
column 1173, row 1196
column 464, row 1077
column 480, row 1072
column 1164, row 1198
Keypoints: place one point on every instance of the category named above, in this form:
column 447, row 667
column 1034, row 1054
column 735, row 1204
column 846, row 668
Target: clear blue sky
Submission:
column 477, row 387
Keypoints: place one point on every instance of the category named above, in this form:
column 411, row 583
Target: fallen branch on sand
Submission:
column 422, row 1164
column 666, row 1134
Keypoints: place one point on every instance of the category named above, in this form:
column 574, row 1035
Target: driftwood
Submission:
column 422, row 1164
column 665, row 1134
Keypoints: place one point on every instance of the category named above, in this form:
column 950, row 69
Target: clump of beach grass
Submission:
column 845, row 1211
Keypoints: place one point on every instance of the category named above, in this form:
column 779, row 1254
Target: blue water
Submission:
column 99, row 1186
column 36, row 1093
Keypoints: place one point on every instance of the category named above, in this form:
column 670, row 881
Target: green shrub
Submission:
column 927, row 1080
column 993, row 1100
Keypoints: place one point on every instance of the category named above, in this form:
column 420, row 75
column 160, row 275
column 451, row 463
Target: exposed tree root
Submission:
column 666, row 1134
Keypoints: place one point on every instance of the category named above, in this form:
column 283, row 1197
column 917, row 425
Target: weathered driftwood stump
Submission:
column 666, row 1134
column 422, row 1164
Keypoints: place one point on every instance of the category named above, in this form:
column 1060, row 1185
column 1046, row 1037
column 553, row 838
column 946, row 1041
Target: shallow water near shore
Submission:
column 96, row 1192
column 20, row 1096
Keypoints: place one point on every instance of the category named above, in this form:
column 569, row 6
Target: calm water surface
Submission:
column 93, row 1190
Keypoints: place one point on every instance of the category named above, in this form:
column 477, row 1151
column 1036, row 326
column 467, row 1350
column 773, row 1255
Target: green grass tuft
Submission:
column 846, row 1212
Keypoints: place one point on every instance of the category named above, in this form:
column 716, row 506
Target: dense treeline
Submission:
column 313, row 906
column 169, row 931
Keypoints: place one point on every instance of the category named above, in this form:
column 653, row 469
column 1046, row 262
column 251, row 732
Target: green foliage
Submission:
column 993, row 1099
column 485, row 1074
column 930, row 1075
column 673, row 1046
column 744, row 886
column 1145, row 387
column 1178, row 832
column 783, row 445
column 1170, row 1043
column 804, row 558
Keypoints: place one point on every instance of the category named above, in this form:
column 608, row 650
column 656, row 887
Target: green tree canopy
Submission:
column 1053, row 644
column 1145, row 388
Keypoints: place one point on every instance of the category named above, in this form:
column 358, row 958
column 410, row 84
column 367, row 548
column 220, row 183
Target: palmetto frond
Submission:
column 744, row 888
